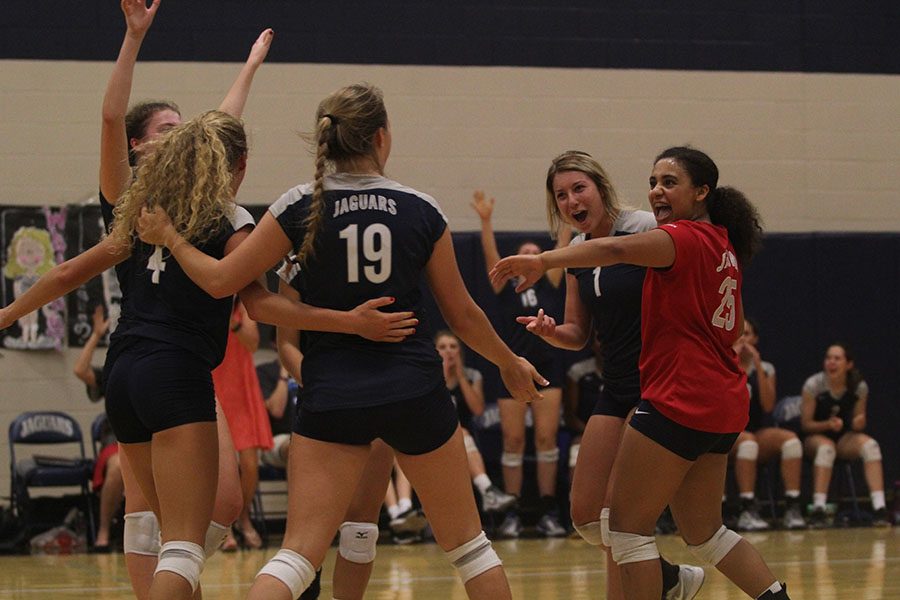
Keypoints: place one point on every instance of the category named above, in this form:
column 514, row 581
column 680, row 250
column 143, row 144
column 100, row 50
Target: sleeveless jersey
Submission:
column 375, row 240
column 612, row 294
column 758, row 417
column 459, row 400
column 526, row 304
column 160, row 302
column 828, row 406
column 690, row 315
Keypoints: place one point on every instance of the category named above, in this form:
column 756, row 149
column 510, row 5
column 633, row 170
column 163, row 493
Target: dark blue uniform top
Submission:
column 613, row 296
column 376, row 238
column 526, row 304
column 828, row 406
column 160, row 302
column 759, row 418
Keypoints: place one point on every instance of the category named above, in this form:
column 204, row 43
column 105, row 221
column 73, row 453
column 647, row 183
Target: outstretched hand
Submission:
column 484, row 207
column 529, row 267
column 379, row 326
column 519, row 378
column 543, row 324
column 154, row 226
column 139, row 16
column 260, row 48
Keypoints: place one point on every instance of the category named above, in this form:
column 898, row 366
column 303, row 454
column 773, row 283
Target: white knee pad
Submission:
column 870, row 451
column 141, row 533
column 573, row 454
column 470, row 443
column 791, row 449
column 474, row 557
column 591, row 532
column 632, row 548
column 747, row 450
column 182, row 558
column 291, row 569
column 511, row 459
column 715, row 548
column 548, row 456
column 825, row 455
column 215, row 535
column 358, row 541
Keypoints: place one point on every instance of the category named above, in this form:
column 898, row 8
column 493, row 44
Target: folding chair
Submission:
column 45, row 429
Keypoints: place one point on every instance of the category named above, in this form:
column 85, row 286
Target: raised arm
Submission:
column 236, row 98
column 563, row 237
column 82, row 368
column 471, row 325
column 653, row 248
column 62, row 279
column 485, row 209
column 115, row 172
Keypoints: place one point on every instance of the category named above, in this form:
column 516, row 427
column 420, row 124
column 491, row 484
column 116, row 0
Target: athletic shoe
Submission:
column 496, row 500
column 409, row 521
column 793, row 519
column 406, row 537
column 817, row 519
column 749, row 520
column 690, row 580
column 511, row 527
column 880, row 518
column 782, row 595
column 548, row 526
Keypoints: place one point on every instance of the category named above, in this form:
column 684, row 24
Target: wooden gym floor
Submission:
column 857, row 564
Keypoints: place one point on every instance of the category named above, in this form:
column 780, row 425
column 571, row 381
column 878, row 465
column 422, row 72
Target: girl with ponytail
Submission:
column 694, row 392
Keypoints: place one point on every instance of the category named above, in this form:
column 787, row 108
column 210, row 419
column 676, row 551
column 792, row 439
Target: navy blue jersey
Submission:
column 459, row 399
column 828, row 406
column 612, row 294
column 123, row 269
column 160, row 302
column 758, row 417
column 375, row 240
column 526, row 304
column 589, row 379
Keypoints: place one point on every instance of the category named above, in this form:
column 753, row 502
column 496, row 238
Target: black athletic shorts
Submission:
column 617, row 398
column 687, row 443
column 152, row 386
column 413, row 426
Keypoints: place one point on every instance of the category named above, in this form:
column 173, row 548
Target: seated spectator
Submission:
column 107, row 479
column 762, row 441
column 584, row 382
column 279, row 391
column 465, row 386
column 833, row 417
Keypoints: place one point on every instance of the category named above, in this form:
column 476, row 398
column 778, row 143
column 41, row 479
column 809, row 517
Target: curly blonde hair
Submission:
column 346, row 124
column 188, row 172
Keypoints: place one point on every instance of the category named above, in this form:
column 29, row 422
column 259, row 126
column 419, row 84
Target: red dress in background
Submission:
column 239, row 395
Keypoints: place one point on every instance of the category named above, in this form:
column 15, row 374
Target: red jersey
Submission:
column 690, row 317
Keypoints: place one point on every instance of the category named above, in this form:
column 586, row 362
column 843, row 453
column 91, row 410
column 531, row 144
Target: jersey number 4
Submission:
column 725, row 315
column 376, row 247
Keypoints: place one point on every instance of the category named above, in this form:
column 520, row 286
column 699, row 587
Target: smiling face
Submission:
column 673, row 196
column 580, row 203
column 30, row 253
column 836, row 363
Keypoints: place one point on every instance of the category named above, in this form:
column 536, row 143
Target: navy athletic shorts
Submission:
column 687, row 443
column 618, row 398
column 413, row 426
column 152, row 386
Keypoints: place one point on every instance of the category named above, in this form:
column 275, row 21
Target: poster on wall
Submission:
column 32, row 241
column 84, row 228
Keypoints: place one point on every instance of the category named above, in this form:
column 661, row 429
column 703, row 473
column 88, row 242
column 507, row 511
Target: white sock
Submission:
column 793, row 494
column 774, row 588
column 482, row 482
column 747, row 495
column 819, row 499
column 404, row 504
column 394, row 510
column 878, row 500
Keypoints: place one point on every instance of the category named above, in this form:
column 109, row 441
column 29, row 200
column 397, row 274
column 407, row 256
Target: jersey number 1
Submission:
column 379, row 253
